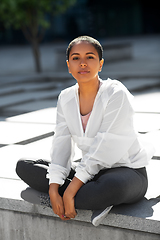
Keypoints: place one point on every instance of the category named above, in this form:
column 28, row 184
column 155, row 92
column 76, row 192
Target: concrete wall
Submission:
column 20, row 226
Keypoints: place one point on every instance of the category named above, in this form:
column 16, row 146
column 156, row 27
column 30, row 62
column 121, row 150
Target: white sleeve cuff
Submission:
column 57, row 174
column 83, row 175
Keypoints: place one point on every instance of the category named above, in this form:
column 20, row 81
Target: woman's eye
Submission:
column 90, row 57
column 75, row 58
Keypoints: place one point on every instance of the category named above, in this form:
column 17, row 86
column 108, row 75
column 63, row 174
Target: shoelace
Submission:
column 45, row 201
column 41, row 161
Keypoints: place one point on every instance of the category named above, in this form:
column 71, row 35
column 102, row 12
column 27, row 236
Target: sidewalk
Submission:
column 28, row 117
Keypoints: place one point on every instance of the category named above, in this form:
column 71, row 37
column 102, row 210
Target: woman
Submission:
column 97, row 115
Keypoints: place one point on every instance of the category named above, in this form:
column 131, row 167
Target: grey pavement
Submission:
column 28, row 107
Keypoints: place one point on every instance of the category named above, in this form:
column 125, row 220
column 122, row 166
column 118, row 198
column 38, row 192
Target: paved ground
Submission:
column 28, row 102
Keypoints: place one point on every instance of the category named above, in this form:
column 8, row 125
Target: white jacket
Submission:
column 109, row 141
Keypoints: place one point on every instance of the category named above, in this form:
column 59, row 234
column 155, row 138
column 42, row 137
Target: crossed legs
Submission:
column 109, row 187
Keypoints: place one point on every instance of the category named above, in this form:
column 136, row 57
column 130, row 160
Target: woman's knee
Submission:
column 33, row 173
column 21, row 166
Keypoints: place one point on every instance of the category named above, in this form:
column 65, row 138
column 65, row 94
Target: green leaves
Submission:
column 18, row 13
column 30, row 16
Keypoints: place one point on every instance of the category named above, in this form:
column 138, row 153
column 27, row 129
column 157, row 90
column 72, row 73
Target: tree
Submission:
column 30, row 17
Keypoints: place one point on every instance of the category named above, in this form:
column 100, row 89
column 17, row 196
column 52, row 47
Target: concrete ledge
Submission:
column 120, row 217
column 22, row 220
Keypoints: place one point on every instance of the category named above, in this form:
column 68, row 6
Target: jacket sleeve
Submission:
column 114, row 138
column 61, row 150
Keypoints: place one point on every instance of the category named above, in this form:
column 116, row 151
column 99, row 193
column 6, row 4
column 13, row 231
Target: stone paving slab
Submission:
column 12, row 189
column 38, row 149
column 18, row 132
column 47, row 116
column 146, row 122
column 9, row 156
column 154, row 138
column 153, row 178
column 147, row 101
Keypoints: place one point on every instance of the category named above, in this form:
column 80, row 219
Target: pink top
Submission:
column 86, row 117
column 85, row 120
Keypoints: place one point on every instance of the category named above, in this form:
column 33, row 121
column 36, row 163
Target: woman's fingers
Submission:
column 61, row 213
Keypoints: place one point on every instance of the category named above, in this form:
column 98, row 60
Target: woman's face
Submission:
column 84, row 63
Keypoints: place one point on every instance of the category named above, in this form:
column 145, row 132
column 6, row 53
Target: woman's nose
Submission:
column 83, row 64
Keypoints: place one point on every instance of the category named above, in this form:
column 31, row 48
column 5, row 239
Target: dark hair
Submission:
column 88, row 39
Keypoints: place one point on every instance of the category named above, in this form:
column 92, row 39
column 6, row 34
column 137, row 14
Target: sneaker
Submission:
column 33, row 196
column 99, row 215
column 45, row 200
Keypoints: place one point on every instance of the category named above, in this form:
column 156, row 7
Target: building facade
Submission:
column 100, row 19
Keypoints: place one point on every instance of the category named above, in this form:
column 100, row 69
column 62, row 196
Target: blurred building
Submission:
column 101, row 19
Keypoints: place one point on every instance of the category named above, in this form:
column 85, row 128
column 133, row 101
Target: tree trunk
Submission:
column 34, row 41
column 36, row 54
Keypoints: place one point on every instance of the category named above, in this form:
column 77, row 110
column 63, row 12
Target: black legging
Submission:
column 109, row 187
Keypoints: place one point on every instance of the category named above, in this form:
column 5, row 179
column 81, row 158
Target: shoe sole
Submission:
column 97, row 220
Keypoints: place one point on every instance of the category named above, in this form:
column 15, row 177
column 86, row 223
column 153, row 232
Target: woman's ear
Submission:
column 101, row 64
column 68, row 66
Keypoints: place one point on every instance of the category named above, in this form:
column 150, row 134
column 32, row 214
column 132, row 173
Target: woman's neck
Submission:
column 89, row 89
column 87, row 95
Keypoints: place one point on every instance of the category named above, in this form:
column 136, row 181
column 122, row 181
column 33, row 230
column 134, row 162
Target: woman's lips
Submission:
column 83, row 72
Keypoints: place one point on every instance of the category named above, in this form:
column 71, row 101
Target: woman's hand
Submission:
column 57, row 201
column 68, row 201
column 64, row 207
column 68, row 197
